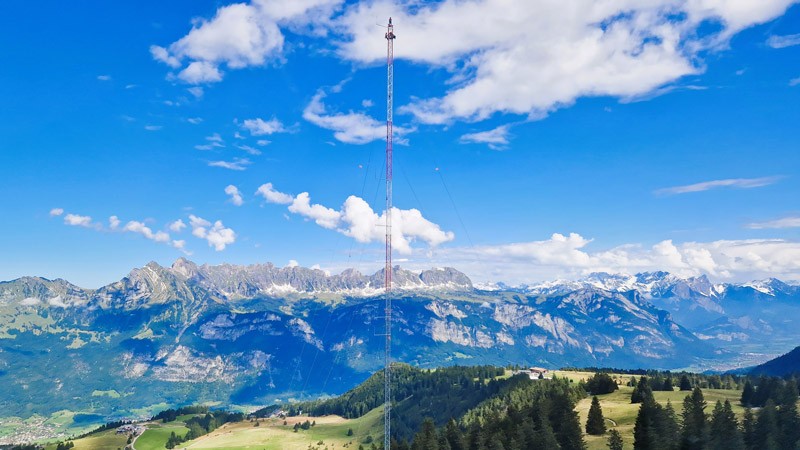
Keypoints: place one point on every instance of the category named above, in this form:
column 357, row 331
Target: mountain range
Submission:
column 248, row 335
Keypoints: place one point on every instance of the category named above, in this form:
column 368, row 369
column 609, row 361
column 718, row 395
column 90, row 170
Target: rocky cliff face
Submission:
column 251, row 334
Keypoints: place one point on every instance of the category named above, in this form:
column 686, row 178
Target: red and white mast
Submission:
column 387, row 282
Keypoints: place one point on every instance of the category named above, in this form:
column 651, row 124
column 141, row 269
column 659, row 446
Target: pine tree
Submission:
column 614, row 440
column 669, row 431
column 725, row 433
column 454, row 436
column 767, row 431
column 668, row 384
column 426, row 439
column 747, row 394
column 695, row 425
column 788, row 420
column 644, row 436
column 643, row 391
column 749, row 430
column 686, row 384
column 595, row 423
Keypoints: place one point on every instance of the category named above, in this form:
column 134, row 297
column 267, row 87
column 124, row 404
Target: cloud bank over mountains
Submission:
column 507, row 56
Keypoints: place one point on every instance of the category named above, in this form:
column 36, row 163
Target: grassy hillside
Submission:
column 620, row 414
column 331, row 431
column 270, row 434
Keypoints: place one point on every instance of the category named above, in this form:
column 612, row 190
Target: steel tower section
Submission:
column 387, row 283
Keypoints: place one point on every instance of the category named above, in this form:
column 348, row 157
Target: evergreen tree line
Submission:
column 600, row 383
column 758, row 391
column 201, row 425
column 773, row 427
column 106, row 426
column 416, row 393
column 537, row 415
column 704, row 381
column 170, row 415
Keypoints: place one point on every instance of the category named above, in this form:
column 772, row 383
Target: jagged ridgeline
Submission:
column 250, row 335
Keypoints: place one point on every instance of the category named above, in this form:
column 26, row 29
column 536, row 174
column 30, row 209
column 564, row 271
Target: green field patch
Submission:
column 105, row 440
column 155, row 438
column 272, row 434
column 111, row 393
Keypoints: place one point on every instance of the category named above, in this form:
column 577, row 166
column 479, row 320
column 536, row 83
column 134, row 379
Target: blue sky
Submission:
column 535, row 141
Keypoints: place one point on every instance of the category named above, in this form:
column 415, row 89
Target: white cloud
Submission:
column 250, row 150
column 239, row 35
column 236, row 196
column 794, row 81
column 214, row 138
column 356, row 219
column 78, row 220
column 530, row 58
column 200, row 72
column 197, row 91
column 496, row 138
column 789, row 40
column 55, row 212
column 194, row 120
column 271, row 195
column 367, row 103
column 351, row 127
column 261, row 127
column 113, row 222
column 138, row 227
column 104, row 77
column 161, row 54
column 292, row 263
column 262, row 142
column 738, row 183
column 217, row 235
column 153, row 127
column 568, row 256
column 236, row 164
column 177, row 226
column 786, row 222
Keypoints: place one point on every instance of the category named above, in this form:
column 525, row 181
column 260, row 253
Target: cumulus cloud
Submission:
column 177, row 226
column 496, row 138
column 239, row 35
column 55, row 212
column 530, row 58
column 568, row 256
column 113, row 222
column 78, row 220
column 356, row 219
column 261, row 127
column 140, row 228
column 789, row 40
column 236, row 196
column 738, row 183
column 216, row 234
column 786, row 222
column 271, row 195
column 104, row 77
column 351, row 127
column 236, row 164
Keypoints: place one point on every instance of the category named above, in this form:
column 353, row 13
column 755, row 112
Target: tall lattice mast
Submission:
column 387, row 282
